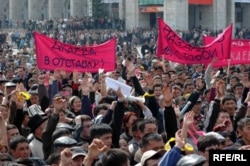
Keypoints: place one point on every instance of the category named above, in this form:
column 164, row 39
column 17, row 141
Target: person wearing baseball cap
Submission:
column 78, row 155
column 151, row 157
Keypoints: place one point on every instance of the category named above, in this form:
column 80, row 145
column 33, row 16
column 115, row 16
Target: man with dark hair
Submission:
column 150, row 141
column 205, row 144
column 115, row 157
column 103, row 132
column 147, row 126
column 19, row 147
column 12, row 131
column 82, row 132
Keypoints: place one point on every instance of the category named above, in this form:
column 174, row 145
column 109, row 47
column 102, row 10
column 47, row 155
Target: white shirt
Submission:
column 36, row 147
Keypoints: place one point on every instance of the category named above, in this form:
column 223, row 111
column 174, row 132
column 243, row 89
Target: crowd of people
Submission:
column 180, row 113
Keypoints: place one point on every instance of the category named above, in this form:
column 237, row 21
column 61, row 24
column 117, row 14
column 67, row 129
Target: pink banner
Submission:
column 173, row 48
column 240, row 51
column 52, row 54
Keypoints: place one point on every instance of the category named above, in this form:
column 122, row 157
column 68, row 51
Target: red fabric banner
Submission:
column 52, row 54
column 240, row 51
column 175, row 49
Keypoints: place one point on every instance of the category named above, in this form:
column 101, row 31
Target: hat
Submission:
column 216, row 135
column 64, row 141
column 149, row 154
column 191, row 159
column 78, row 151
column 64, row 125
column 199, row 100
column 10, row 84
column 1, row 92
column 3, row 80
column 66, row 85
column 35, row 109
column 35, row 122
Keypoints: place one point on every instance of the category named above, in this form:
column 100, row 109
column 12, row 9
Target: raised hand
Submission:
column 66, row 156
column 76, row 76
column 149, row 79
column 119, row 94
column 63, row 73
column 57, row 74
column 188, row 118
column 167, row 94
column 96, row 148
column 179, row 141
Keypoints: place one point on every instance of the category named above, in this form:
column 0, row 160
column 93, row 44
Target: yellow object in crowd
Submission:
column 187, row 147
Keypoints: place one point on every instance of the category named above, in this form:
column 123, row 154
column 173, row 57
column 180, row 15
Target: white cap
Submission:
column 149, row 154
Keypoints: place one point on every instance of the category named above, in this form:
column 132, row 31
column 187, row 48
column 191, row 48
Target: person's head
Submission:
column 233, row 81
column 151, row 157
column 176, row 90
column 206, row 94
column 238, row 89
column 10, row 87
column 243, row 128
column 147, row 126
column 157, row 80
column 12, row 131
column 75, row 104
column 151, row 141
column 199, row 68
column 123, row 145
column 207, row 143
column 100, row 109
column 128, row 119
column 188, row 88
column 64, row 142
column 66, row 90
column 54, row 159
column 229, row 104
column 157, row 90
column 59, row 132
column 21, row 71
column 86, row 125
column 166, row 77
column 78, row 155
column 37, row 124
column 115, row 157
column 19, row 147
column 228, row 138
column 158, row 70
column 4, row 110
column 34, row 97
column 222, row 117
column 103, row 132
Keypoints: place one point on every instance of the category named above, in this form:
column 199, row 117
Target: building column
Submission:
column 231, row 14
column 78, row 8
column 176, row 14
column 35, row 9
column 131, row 13
column 17, row 9
column 219, row 14
column 245, row 15
column 4, row 10
column 56, row 9
column 122, row 9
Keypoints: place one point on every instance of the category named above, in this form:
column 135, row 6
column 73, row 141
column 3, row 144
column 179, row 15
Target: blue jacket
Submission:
column 171, row 158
